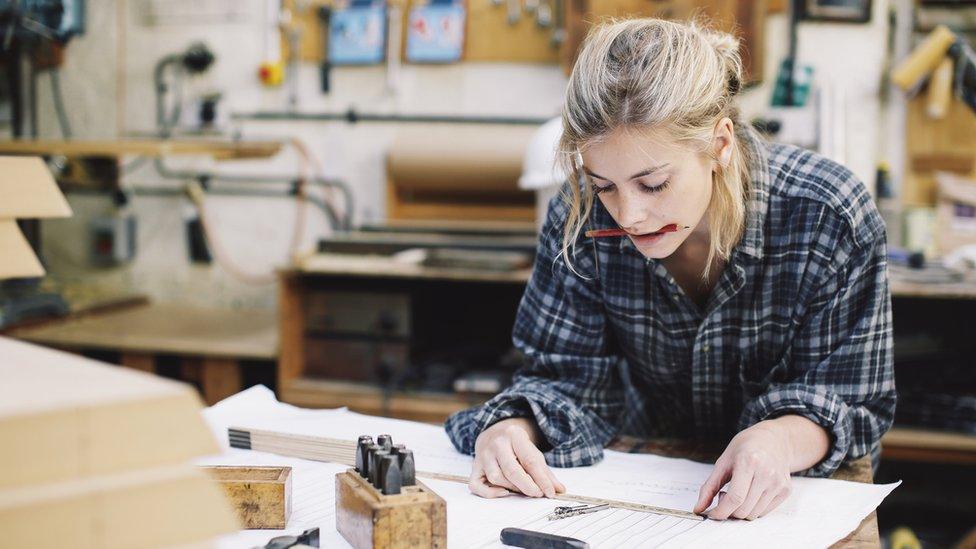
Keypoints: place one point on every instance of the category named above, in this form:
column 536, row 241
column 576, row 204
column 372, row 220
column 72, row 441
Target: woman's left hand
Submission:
column 757, row 461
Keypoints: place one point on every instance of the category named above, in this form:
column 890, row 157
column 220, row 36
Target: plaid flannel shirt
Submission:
column 798, row 323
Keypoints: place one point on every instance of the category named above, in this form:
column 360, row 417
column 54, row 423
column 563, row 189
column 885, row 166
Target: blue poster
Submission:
column 357, row 34
column 435, row 33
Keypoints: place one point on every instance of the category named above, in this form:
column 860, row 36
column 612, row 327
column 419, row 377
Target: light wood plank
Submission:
column 173, row 329
column 220, row 150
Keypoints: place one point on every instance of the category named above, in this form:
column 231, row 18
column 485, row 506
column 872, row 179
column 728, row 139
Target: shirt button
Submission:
column 706, row 347
column 676, row 297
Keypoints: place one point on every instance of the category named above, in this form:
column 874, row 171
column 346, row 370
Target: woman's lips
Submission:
column 599, row 233
column 648, row 239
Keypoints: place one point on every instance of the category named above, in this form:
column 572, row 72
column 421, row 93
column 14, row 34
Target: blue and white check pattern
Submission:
column 798, row 323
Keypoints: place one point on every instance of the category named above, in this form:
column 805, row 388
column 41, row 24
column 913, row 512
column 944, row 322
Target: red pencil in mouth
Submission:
column 600, row 233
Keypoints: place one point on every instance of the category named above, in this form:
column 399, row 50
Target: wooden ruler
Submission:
column 344, row 452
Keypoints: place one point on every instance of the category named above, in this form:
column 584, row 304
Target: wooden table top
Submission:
column 214, row 148
column 866, row 535
column 172, row 329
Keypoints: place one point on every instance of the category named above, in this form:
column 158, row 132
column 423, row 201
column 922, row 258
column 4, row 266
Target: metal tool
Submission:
column 386, row 441
column 517, row 537
column 309, row 537
column 563, row 511
column 362, row 455
column 370, row 460
column 375, row 463
column 408, row 472
column 390, row 480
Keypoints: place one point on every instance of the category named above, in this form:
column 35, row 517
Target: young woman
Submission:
column 763, row 321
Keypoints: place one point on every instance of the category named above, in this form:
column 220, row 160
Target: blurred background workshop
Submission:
column 340, row 200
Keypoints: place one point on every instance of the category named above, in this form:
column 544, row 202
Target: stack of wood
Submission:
column 100, row 456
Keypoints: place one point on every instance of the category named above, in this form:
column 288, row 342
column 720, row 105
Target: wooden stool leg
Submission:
column 145, row 363
column 219, row 379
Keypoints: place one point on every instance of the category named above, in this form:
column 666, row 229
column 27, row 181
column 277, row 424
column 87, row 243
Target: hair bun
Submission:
column 727, row 47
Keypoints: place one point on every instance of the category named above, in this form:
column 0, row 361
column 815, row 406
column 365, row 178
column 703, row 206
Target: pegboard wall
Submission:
column 491, row 37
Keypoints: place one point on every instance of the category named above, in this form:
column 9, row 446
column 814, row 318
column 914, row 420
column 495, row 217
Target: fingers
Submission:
column 760, row 505
column 560, row 487
column 779, row 498
column 757, row 489
column 715, row 481
column 735, row 496
column 513, row 470
column 479, row 486
column 506, row 458
column 534, row 464
column 494, row 474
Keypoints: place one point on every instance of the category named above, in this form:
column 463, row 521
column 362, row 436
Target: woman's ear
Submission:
column 723, row 140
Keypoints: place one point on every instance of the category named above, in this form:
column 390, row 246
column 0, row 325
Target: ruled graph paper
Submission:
column 610, row 528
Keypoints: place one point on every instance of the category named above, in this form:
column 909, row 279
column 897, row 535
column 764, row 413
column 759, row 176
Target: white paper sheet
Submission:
column 818, row 513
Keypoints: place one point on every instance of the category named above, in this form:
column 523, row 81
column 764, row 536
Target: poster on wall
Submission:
column 435, row 32
column 357, row 33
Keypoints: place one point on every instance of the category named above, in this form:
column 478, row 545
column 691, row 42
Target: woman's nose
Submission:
column 630, row 213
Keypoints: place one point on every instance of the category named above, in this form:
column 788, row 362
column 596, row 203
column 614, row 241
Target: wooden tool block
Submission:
column 416, row 517
column 260, row 495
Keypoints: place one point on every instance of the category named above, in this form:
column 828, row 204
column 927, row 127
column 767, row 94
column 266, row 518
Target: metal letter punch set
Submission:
column 380, row 503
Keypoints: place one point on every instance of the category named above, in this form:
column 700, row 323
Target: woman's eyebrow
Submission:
column 641, row 173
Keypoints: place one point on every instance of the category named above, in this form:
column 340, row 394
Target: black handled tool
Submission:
column 518, row 537
column 309, row 537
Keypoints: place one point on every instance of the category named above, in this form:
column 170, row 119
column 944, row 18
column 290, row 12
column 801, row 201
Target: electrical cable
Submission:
column 198, row 196
column 32, row 92
column 63, row 121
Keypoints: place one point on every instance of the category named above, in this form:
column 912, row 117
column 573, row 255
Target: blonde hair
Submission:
column 650, row 73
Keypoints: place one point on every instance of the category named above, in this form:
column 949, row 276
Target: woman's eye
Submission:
column 598, row 189
column 655, row 188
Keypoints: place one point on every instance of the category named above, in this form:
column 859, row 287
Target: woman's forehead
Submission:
column 624, row 149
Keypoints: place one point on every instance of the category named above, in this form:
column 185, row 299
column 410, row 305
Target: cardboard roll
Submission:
column 459, row 160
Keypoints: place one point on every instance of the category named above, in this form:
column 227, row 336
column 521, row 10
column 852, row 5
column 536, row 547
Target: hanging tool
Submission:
column 325, row 68
column 939, row 45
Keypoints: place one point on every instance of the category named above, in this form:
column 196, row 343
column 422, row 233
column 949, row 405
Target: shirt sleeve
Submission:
column 571, row 383
column 840, row 373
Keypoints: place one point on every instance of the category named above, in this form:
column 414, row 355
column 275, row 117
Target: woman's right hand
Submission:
column 507, row 459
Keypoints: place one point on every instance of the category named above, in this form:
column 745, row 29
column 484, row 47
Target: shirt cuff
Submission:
column 569, row 439
column 814, row 403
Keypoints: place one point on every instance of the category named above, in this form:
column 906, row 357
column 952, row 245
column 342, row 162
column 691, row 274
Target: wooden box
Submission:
column 261, row 496
column 414, row 518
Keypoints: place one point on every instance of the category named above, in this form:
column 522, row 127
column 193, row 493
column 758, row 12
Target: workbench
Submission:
column 302, row 290
column 297, row 284
column 211, row 346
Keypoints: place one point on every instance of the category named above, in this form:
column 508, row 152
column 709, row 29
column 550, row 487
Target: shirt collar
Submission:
column 758, row 203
